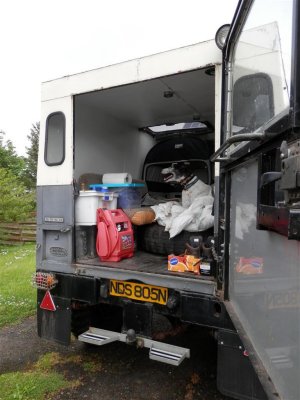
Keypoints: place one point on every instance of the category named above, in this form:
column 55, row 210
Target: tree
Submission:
column 17, row 178
column 15, row 201
column 32, row 156
column 9, row 158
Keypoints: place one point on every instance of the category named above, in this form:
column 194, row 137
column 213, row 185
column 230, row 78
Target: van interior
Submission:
column 125, row 129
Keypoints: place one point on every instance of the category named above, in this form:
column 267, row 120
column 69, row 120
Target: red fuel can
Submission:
column 115, row 235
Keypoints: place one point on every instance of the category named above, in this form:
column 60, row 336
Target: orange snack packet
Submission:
column 183, row 263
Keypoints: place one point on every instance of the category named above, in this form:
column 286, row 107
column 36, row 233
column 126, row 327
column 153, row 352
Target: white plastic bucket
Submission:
column 88, row 202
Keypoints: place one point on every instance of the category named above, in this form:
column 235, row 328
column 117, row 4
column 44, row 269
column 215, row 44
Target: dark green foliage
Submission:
column 18, row 178
column 32, row 156
column 9, row 158
column 16, row 203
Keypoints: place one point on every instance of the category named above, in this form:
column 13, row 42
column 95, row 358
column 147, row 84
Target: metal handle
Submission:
column 235, row 139
column 269, row 177
column 66, row 229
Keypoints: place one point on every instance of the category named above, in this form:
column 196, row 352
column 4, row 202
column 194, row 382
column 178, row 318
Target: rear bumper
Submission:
column 183, row 305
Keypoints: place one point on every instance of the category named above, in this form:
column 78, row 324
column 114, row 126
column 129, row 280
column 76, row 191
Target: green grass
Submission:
column 17, row 301
column 30, row 385
column 35, row 384
column 17, row 296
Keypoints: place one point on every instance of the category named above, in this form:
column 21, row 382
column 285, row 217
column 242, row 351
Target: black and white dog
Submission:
column 192, row 186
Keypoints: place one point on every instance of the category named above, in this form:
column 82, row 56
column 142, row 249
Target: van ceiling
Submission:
column 143, row 104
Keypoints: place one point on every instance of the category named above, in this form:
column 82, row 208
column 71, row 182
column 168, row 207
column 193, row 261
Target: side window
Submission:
column 253, row 102
column 55, row 139
column 261, row 66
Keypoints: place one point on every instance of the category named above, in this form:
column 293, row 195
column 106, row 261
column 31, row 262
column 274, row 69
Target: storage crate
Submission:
column 129, row 194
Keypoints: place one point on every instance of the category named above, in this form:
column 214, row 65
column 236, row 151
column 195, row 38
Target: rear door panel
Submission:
column 264, row 284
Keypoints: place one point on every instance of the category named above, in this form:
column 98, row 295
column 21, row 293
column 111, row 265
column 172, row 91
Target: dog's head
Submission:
column 176, row 173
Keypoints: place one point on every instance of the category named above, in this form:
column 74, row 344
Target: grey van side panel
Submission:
column 55, row 225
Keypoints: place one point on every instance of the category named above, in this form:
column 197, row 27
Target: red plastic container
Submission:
column 115, row 235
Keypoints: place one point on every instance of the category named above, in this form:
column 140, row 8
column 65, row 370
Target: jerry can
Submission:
column 115, row 235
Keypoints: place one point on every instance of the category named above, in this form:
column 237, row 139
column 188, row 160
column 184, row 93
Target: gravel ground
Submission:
column 117, row 371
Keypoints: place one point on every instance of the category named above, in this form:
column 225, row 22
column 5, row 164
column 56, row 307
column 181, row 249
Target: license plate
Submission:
column 139, row 291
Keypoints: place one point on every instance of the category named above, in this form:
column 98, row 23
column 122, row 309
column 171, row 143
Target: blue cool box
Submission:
column 128, row 194
column 99, row 186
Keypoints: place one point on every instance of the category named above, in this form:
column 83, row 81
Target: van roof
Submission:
column 183, row 59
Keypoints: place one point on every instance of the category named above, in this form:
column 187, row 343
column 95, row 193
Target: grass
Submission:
column 17, row 301
column 30, row 385
column 17, row 296
column 37, row 383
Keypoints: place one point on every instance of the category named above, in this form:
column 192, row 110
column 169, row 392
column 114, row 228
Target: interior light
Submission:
column 221, row 35
column 210, row 71
column 168, row 94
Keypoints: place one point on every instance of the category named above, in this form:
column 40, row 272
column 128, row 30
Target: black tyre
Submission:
column 153, row 239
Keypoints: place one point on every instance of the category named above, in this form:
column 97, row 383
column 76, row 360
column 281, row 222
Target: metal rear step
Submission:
column 162, row 352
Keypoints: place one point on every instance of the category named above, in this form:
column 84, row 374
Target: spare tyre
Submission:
column 153, row 239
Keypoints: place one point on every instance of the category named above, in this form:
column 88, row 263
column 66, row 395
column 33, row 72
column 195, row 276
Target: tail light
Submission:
column 44, row 280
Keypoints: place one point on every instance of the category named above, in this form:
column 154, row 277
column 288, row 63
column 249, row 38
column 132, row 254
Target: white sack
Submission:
column 176, row 218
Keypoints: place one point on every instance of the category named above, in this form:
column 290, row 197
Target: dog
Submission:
column 192, row 186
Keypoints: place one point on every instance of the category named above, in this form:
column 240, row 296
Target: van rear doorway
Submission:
column 141, row 129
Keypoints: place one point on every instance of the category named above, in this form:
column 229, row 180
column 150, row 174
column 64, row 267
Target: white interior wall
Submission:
column 104, row 144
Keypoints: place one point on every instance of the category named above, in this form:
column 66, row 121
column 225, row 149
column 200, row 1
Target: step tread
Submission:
column 158, row 351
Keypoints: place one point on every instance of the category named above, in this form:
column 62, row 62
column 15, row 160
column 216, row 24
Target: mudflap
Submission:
column 236, row 376
column 54, row 325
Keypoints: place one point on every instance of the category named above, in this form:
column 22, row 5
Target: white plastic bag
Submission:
column 175, row 218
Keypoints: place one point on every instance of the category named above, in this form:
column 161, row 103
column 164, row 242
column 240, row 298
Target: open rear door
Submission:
column 260, row 172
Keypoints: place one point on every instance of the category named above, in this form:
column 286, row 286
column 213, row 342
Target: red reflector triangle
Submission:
column 47, row 302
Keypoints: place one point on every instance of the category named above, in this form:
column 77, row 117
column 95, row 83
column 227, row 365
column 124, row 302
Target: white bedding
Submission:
column 193, row 215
